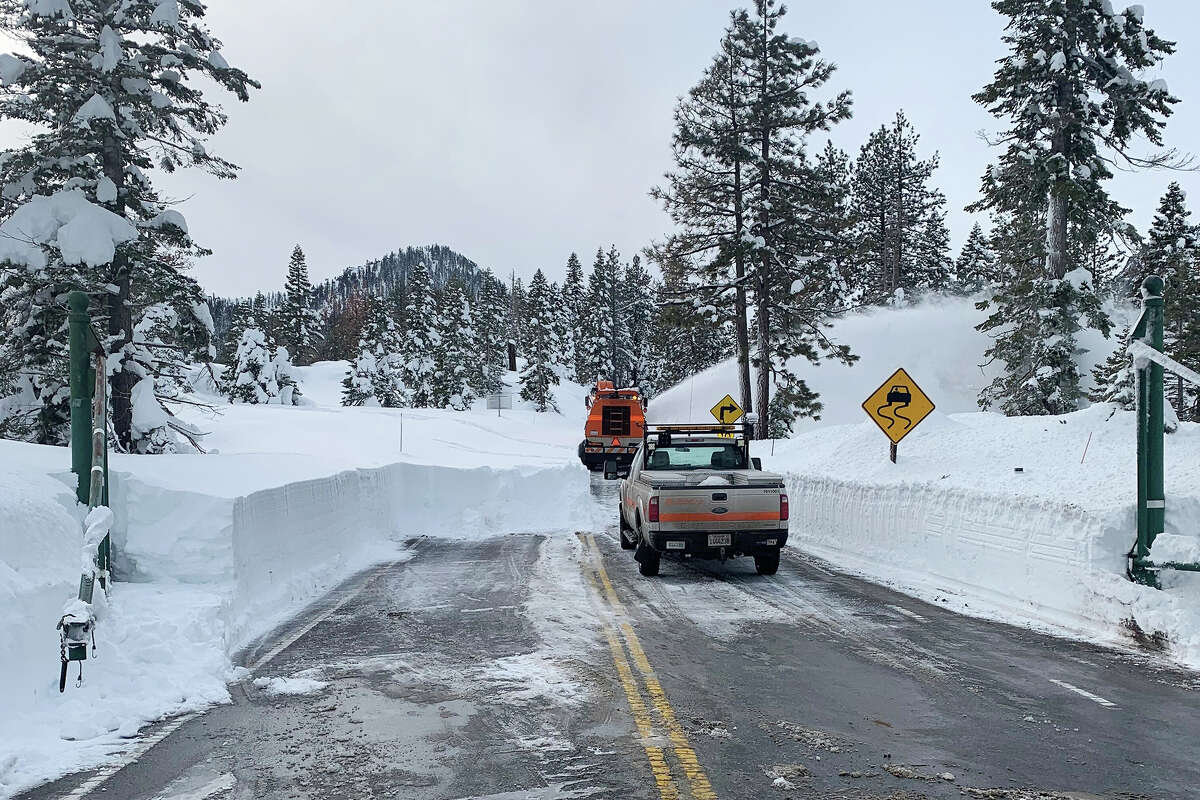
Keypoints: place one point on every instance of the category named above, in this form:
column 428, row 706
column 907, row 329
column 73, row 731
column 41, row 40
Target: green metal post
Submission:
column 1151, row 499
column 81, row 394
column 1156, row 503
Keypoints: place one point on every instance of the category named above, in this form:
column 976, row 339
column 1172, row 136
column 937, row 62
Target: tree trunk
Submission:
column 763, row 284
column 120, row 310
column 1056, row 237
column 741, row 325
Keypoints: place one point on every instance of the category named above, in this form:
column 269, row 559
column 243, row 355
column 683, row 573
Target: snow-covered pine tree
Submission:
column 975, row 269
column 458, row 373
column 706, row 196
column 539, row 377
column 111, row 92
column 613, row 318
column 298, row 324
column 491, row 333
column 639, row 311
column 420, row 339
column 1114, row 381
column 258, row 378
column 902, row 237
column 1069, row 90
column 1170, row 251
column 834, row 250
column 374, row 377
column 574, row 309
column 518, row 314
column 597, row 354
column 791, row 288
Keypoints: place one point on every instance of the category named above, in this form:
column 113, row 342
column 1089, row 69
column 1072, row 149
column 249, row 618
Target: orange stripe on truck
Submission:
column 749, row 516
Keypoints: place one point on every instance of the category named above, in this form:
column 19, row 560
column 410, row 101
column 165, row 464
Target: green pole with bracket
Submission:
column 79, row 331
column 1151, row 510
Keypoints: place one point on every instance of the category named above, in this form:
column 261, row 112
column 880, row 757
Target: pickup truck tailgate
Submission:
column 719, row 502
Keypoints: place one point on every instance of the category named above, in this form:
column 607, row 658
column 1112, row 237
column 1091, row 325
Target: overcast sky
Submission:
column 518, row 131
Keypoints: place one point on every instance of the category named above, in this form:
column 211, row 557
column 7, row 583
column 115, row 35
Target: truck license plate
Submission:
column 720, row 539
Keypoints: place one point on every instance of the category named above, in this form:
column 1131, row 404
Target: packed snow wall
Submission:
column 1026, row 560
column 273, row 550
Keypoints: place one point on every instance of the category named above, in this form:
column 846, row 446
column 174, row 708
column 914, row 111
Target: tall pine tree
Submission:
column 539, row 377
column 113, row 92
column 1069, row 90
column 420, row 338
column 298, row 325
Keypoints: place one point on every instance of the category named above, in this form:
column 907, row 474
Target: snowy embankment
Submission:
column 215, row 550
column 955, row 522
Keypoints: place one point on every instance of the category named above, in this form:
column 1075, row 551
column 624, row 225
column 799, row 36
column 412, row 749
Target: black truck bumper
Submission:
column 697, row 545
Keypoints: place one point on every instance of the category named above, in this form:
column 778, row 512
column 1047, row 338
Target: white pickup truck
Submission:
column 694, row 491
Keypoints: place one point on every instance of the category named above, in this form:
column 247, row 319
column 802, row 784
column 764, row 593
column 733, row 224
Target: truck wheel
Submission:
column 649, row 563
column 626, row 542
column 767, row 563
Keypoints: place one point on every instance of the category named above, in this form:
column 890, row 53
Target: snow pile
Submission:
column 1004, row 518
column 212, row 551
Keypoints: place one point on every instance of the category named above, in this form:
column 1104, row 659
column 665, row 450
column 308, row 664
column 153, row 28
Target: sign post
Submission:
column 898, row 407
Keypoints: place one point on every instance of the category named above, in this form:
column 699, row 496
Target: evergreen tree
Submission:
column 902, row 236
column 298, row 326
column 613, row 318
column 707, row 195
column 258, row 378
column 975, row 269
column 112, row 94
column 539, row 378
column 793, row 292
column 420, row 339
column 457, row 373
column 1170, row 252
column 683, row 340
column 1114, row 381
column 491, row 334
column 574, row 304
column 1069, row 91
column 639, row 311
column 597, row 352
column 374, row 377
column 518, row 323
column 834, row 252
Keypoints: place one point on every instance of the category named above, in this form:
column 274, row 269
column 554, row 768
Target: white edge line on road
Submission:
column 100, row 778
column 1083, row 693
column 907, row 613
column 295, row 637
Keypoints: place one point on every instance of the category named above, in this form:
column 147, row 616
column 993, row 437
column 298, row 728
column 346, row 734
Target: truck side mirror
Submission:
column 757, row 462
column 610, row 470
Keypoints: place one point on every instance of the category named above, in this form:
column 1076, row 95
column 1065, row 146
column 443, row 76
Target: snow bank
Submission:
column 213, row 551
column 955, row 522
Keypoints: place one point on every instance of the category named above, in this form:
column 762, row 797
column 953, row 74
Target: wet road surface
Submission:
column 546, row 668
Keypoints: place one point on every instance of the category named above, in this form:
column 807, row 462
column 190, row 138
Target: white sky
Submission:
column 517, row 131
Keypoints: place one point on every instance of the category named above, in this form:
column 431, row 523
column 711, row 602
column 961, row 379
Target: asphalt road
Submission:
column 546, row 668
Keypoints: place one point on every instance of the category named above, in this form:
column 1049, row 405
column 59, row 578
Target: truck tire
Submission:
column 626, row 542
column 649, row 563
column 767, row 563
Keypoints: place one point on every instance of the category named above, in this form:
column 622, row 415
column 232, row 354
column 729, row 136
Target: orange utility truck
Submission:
column 615, row 424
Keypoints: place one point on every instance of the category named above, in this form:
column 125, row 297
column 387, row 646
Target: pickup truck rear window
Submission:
column 696, row 456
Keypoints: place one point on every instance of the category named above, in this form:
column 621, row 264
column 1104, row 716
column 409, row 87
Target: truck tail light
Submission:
column 784, row 510
column 652, row 510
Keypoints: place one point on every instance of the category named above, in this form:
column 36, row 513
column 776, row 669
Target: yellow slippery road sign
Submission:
column 727, row 411
column 898, row 406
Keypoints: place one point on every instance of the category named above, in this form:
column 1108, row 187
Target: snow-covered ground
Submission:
column 214, row 550
column 954, row 521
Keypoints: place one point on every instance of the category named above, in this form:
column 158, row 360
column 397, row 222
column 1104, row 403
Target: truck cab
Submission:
column 694, row 491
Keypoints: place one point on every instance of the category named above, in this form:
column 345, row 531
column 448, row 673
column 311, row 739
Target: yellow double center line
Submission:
column 658, row 718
